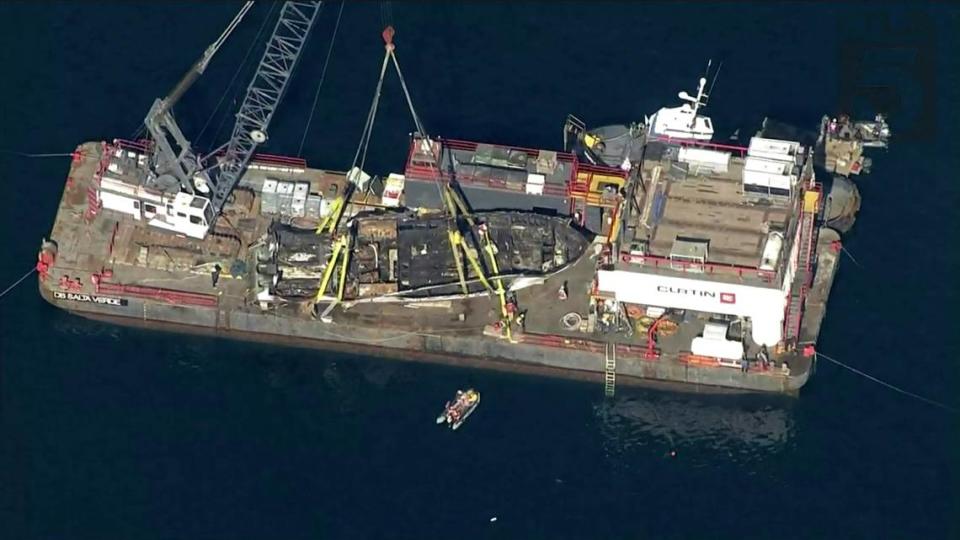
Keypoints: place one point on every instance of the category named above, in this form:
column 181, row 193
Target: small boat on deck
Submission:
column 455, row 412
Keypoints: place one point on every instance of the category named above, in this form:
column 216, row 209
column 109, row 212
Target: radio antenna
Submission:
column 715, row 75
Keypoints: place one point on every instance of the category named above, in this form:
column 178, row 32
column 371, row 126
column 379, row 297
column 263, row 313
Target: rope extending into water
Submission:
column 32, row 155
column 10, row 288
column 926, row 400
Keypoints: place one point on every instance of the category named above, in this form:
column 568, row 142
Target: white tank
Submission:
column 771, row 251
column 705, row 159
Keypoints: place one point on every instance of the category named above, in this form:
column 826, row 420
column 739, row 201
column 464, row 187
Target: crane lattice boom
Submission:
column 263, row 95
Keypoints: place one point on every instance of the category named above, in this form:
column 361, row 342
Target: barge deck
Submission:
column 111, row 266
column 660, row 259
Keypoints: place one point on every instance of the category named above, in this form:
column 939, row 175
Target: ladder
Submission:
column 794, row 311
column 610, row 370
column 802, row 280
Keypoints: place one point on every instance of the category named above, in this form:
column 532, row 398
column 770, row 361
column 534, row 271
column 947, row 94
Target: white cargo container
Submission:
column 312, row 207
column 774, row 149
column 765, row 165
column 269, row 203
column 285, row 197
column 299, row 202
column 700, row 159
column 768, row 180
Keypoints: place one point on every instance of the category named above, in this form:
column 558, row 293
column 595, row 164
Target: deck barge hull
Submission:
column 112, row 267
column 464, row 351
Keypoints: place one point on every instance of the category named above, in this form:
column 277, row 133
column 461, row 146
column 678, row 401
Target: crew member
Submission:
column 763, row 357
column 215, row 275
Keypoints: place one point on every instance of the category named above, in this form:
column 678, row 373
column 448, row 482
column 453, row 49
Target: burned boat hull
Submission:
column 405, row 255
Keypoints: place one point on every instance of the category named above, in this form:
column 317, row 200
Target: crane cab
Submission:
column 186, row 214
column 179, row 212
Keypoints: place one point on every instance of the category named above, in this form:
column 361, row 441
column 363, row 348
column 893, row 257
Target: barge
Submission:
column 637, row 254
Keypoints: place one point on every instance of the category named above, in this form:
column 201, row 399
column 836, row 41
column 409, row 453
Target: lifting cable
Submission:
column 361, row 154
column 926, row 400
column 323, row 76
column 386, row 14
column 388, row 33
column 17, row 282
column 403, row 84
column 243, row 63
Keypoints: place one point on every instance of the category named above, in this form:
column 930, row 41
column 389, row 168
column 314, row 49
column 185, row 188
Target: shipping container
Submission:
column 699, row 159
column 269, row 201
column 774, row 149
column 285, row 196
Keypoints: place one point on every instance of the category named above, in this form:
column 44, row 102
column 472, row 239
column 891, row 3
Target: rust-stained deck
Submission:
column 137, row 254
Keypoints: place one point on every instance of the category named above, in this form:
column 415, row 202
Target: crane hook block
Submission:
column 388, row 36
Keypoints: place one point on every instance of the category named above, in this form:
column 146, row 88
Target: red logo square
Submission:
column 728, row 298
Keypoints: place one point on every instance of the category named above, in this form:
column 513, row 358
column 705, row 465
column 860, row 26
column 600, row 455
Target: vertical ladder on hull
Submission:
column 610, row 370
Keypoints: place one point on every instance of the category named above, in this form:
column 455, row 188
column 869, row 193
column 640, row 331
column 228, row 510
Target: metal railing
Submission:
column 168, row 296
column 573, row 186
column 741, row 150
column 768, row 276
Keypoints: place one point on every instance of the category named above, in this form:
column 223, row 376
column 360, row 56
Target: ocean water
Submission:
column 107, row 432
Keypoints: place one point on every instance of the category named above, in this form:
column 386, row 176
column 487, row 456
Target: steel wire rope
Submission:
column 893, row 387
column 420, row 130
column 323, row 77
column 141, row 128
column 386, row 14
column 11, row 287
column 371, row 118
column 243, row 63
column 32, row 155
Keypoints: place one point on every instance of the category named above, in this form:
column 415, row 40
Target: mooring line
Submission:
column 10, row 288
column 926, row 400
column 852, row 258
column 30, row 155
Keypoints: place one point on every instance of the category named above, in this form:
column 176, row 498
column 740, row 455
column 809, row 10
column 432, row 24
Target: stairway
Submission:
column 794, row 313
column 610, row 370
column 802, row 280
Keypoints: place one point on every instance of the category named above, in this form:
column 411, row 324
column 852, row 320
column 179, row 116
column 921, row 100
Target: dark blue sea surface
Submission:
column 113, row 433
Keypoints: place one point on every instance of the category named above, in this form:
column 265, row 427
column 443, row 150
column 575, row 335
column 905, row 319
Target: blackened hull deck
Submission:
column 472, row 352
